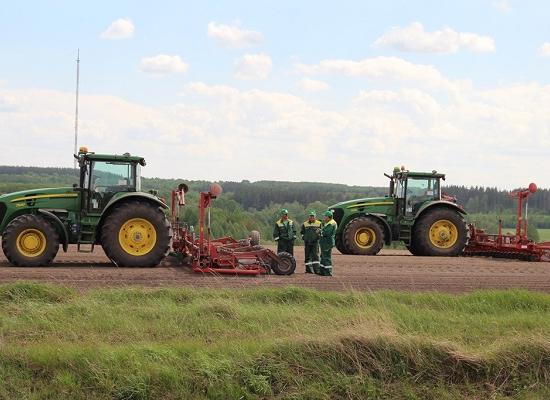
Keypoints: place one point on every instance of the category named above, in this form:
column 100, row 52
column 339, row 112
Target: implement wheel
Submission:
column 286, row 264
column 363, row 236
column 440, row 232
column 136, row 234
column 30, row 241
column 254, row 238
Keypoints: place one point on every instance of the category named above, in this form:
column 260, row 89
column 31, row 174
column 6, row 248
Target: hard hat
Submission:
column 284, row 211
column 328, row 213
column 312, row 212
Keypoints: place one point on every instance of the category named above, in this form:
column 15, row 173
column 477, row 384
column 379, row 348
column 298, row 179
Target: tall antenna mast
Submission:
column 76, row 110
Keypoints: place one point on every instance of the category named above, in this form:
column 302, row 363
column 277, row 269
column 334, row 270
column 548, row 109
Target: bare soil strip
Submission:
column 392, row 269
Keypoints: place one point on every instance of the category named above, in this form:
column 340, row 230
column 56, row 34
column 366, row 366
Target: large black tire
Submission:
column 136, row 234
column 340, row 245
column 30, row 241
column 286, row 264
column 414, row 248
column 363, row 236
column 440, row 232
column 254, row 238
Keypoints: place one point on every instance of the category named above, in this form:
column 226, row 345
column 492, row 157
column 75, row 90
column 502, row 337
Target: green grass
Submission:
column 286, row 343
column 544, row 235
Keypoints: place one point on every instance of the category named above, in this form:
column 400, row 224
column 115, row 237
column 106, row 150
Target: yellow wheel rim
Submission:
column 137, row 236
column 31, row 242
column 443, row 234
column 365, row 237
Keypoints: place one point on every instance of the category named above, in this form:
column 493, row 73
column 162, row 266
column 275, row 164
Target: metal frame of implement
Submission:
column 221, row 255
column 517, row 246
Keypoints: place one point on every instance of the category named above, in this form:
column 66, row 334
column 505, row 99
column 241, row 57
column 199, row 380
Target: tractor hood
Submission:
column 38, row 194
column 372, row 201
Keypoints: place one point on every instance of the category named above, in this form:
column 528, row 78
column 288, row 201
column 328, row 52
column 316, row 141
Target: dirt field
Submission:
column 390, row 270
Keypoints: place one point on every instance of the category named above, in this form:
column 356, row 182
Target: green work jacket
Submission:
column 311, row 231
column 328, row 232
column 284, row 230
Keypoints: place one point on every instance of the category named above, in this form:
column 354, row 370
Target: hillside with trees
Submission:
column 245, row 205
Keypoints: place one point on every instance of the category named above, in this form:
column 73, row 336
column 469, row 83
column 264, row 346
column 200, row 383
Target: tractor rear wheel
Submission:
column 30, row 241
column 440, row 232
column 363, row 236
column 286, row 264
column 136, row 234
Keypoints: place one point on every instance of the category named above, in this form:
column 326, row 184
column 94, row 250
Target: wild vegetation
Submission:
column 254, row 205
column 271, row 343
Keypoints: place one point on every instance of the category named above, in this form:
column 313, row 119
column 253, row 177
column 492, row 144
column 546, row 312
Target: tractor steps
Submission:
column 82, row 249
column 86, row 239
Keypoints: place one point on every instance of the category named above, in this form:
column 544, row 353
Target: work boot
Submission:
column 309, row 270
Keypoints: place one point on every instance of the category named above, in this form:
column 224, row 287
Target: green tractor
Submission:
column 106, row 208
column 414, row 212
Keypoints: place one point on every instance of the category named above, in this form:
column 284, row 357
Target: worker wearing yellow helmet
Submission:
column 327, row 241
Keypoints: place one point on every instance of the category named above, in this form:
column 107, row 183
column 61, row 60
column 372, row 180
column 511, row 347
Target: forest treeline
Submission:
column 253, row 205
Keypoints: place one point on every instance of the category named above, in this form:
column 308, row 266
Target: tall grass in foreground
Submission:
column 271, row 343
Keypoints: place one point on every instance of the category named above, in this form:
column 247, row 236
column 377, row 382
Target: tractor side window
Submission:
column 420, row 190
column 423, row 187
column 108, row 178
column 112, row 177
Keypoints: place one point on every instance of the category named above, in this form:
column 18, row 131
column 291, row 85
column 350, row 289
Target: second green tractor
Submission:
column 414, row 212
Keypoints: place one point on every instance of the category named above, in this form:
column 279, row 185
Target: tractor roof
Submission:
column 422, row 174
column 126, row 157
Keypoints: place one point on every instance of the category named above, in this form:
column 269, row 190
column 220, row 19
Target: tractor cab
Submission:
column 413, row 189
column 102, row 176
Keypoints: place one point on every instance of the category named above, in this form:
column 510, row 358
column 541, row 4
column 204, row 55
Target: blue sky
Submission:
column 316, row 91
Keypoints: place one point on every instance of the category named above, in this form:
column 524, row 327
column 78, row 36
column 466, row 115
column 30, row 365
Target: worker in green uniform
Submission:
column 311, row 232
column 328, row 233
column 284, row 233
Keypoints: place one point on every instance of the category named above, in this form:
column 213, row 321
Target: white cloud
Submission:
column 233, row 36
column 253, row 67
column 414, row 38
column 163, row 64
column 544, row 50
column 385, row 69
column 497, row 137
column 503, row 6
column 312, row 85
column 122, row 28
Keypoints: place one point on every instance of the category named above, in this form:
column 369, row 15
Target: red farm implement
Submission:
column 221, row 255
column 516, row 246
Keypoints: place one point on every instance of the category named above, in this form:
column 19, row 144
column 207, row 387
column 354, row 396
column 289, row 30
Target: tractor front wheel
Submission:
column 136, row 234
column 30, row 241
column 363, row 236
column 440, row 232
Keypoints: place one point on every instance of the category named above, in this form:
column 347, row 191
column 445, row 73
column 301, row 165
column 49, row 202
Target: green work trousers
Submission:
column 312, row 257
column 326, row 261
column 285, row 245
